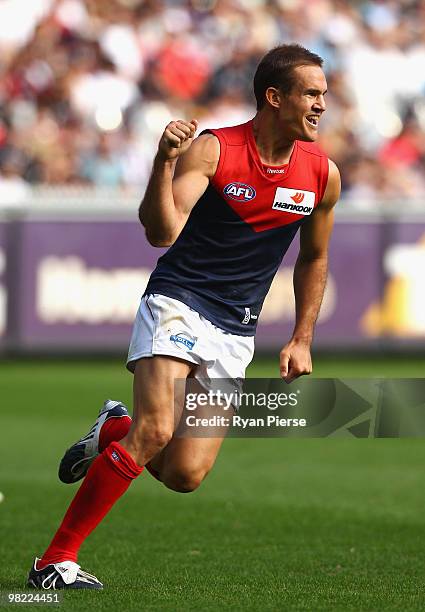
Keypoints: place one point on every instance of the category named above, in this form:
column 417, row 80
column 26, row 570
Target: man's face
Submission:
column 300, row 111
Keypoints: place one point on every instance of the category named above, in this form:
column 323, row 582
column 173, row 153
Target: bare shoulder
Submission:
column 203, row 155
column 209, row 151
column 210, row 145
column 333, row 187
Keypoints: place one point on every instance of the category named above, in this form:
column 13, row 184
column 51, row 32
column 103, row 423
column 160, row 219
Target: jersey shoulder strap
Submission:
column 311, row 153
column 234, row 135
column 230, row 139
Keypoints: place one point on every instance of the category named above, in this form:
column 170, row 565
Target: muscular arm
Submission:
column 310, row 275
column 180, row 175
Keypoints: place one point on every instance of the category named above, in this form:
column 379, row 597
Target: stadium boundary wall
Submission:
column 71, row 277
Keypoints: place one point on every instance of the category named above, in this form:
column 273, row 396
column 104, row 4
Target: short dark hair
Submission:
column 276, row 69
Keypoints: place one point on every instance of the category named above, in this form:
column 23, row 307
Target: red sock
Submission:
column 108, row 478
column 114, row 430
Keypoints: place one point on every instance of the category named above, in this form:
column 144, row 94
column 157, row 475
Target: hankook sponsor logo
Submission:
column 296, row 201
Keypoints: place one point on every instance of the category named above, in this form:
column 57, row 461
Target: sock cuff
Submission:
column 123, row 463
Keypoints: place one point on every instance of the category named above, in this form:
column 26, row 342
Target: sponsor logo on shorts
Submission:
column 183, row 339
column 241, row 192
column 294, row 201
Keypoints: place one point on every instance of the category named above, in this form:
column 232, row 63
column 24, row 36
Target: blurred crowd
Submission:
column 87, row 86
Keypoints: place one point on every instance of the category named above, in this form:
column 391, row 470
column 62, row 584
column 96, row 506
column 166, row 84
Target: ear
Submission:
column 273, row 97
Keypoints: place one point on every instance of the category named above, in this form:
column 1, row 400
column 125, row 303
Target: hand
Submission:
column 295, row 360
column 176, row 139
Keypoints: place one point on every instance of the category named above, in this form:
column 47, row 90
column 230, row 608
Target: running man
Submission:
column 228, row 204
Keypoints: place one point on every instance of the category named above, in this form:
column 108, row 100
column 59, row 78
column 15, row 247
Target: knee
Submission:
column 156, row 437
column 183, row 481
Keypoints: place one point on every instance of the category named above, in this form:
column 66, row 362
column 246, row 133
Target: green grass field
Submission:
column 332, row 524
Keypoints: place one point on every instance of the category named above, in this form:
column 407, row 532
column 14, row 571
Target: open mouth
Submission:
column 313, row 120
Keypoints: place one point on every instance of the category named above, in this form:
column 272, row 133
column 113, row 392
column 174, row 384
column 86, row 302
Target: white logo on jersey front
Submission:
column 294, row 201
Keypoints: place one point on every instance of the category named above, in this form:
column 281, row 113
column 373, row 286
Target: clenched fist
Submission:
column 176, row 139
column 295, row 360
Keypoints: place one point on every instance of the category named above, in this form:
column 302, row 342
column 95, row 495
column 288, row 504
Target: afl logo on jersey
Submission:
column 241, row 192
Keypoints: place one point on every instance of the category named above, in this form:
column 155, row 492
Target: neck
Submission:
column 273, row 147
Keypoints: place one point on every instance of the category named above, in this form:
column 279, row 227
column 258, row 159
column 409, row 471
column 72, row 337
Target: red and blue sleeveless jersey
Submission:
column 224, row 261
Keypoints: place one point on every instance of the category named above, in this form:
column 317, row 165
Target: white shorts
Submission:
column 165, row 326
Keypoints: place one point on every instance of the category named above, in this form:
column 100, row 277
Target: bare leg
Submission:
column 154, row 406
column 184, row 463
